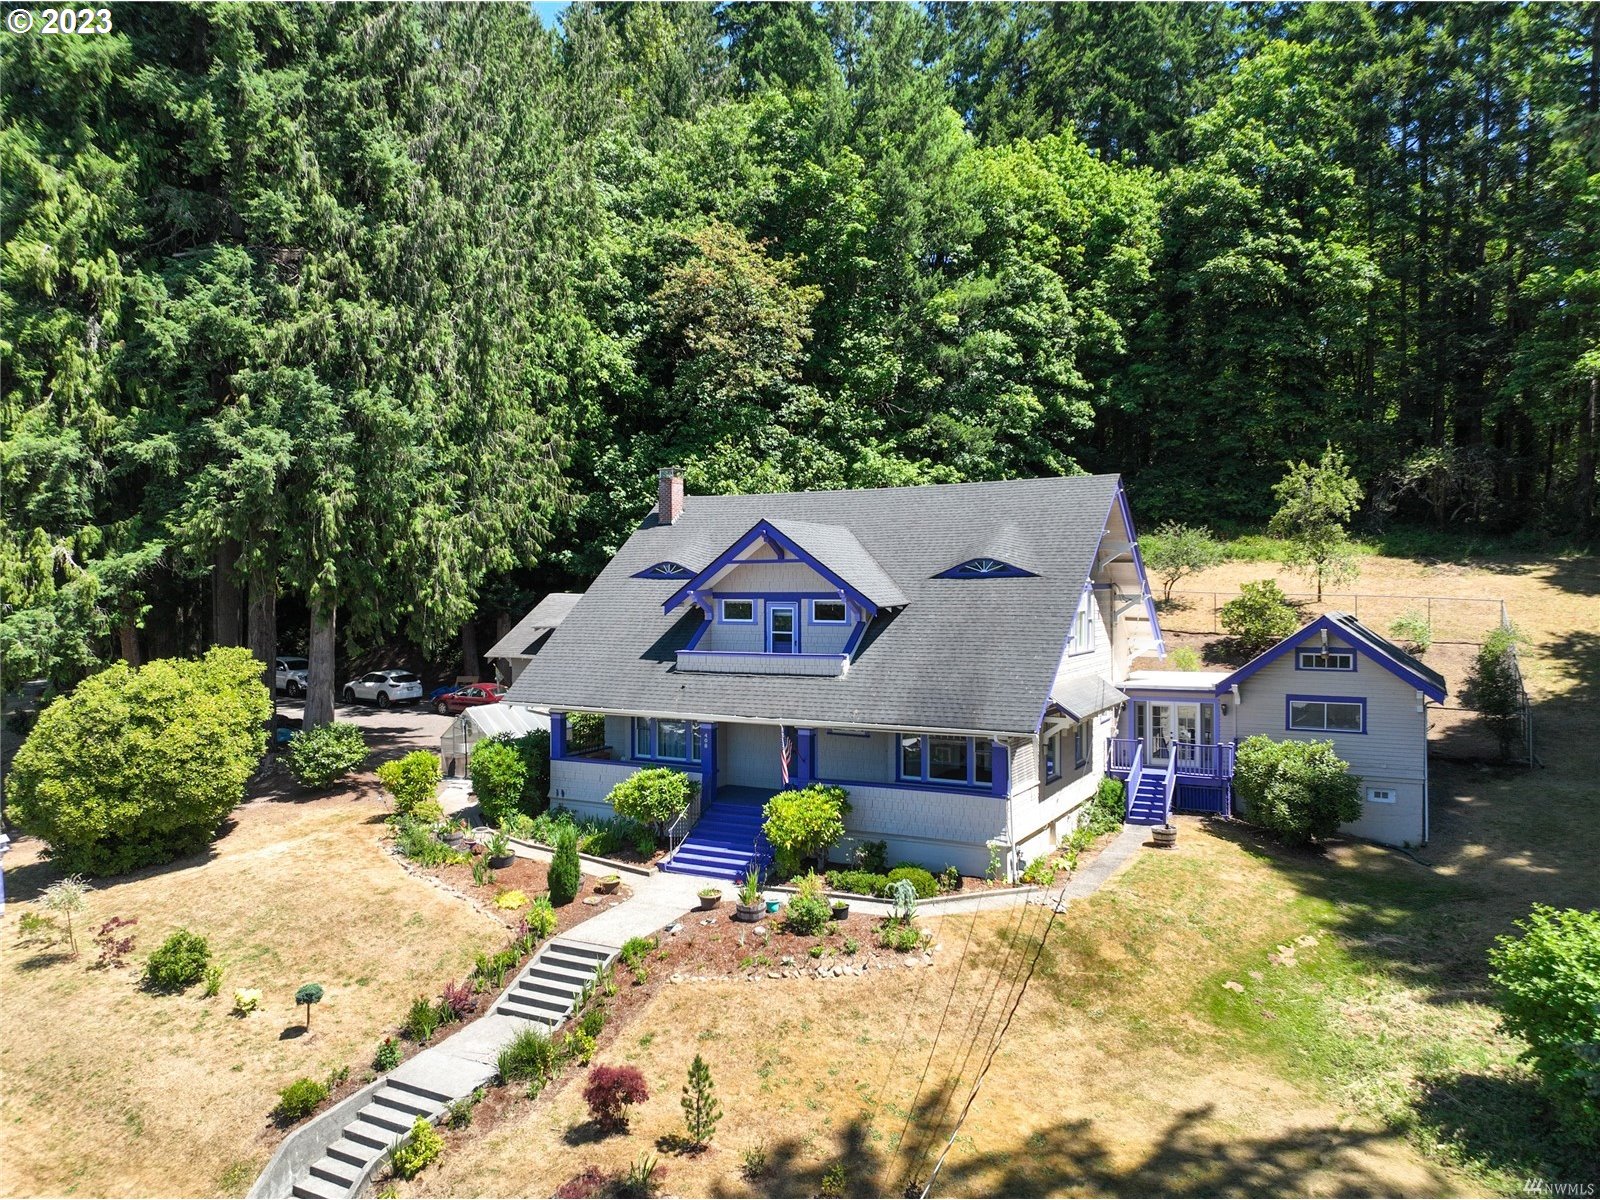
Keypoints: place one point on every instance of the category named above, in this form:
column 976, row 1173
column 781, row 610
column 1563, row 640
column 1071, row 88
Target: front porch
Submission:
column 1164, row 776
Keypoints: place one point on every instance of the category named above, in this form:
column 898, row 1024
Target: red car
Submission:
column 469, row 696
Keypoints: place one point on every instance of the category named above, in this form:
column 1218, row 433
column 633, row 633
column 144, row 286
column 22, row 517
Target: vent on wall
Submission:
column 665, row 570
column 984, row 568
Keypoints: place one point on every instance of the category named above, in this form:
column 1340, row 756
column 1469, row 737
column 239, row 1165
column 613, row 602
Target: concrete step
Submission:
column 380, row 1137
column 540, row 1001
column 440, row 1099
column 405, row 1101
column 357, row 1154
column 396, row 1122
column 341, row 1174
column 312, row 1188
column 508, row 1008
column 560, row 989
column 541, row 969
column 567, row 960
column 580, row 950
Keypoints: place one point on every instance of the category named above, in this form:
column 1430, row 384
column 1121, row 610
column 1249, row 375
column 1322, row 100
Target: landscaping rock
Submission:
column 592, row 901
column 1233, row 985
column 786, row 961
column 673, row 929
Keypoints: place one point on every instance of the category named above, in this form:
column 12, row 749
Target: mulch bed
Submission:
column 532, row 878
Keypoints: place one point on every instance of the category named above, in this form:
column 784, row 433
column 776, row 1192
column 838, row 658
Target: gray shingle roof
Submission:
column 1081, row 696
column 836, row 548
column 546, row 615
column 1384, row 648
column 962, row 654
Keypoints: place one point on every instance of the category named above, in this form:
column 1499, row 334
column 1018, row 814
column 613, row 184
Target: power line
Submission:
column 1055, row 911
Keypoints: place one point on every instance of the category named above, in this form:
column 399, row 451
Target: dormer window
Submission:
column 665, row 570
column 983, row 568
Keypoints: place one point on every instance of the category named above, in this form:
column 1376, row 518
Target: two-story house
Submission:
column 950, row 655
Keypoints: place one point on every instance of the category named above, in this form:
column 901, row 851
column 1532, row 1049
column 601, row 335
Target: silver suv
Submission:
column 289, row 675
column 391, row 686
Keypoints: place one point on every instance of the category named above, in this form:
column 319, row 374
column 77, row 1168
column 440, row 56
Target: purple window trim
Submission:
column 966, row 570
column 764, row 529
column 1429, row 689
column 972, row 784
column 722, row 610
column 815, row 620
column 913, row 785
column 1290, row 701
column 665, row 570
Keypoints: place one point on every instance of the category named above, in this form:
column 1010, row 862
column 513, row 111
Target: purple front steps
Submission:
column 1147, row 805
column 723, row 843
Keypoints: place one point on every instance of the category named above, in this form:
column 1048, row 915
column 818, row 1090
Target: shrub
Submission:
column 540, row 918
column 1109, row 807
column 860, row 883
column 1184, row 658
column 701, row 1112
column 421, row 845
column 641, row 1178
column 422, row 1020
column 510, row 898
column 1493, row 688
column 1301, row 791
column 656, row 796
column 1176, row 551
column 609, row 1093
column 388, row 1056
column 529, row 1057
column 1548, row 990
column 1412, row 630
column 414, row 781
column 491, row 969
column 246, row 1000
column 921, row 880
column 593, row 1021
column 587, row 1183
column 534, row 747
column 753, row 1162
column 803, row 822
column 458, row 1113
column 140, row 766
column 1041, row 872
column 1259, row 617
column 898, row 934
column 851, row 946
column 213, row 981
column 835, row 1182
column 577, row 1046
column 498, row 776
column 457, row 999
column 318, row 757
column 873, row 857
column 634, row 952
column 808, row 910
column 421, row 1147
column 564, row 870
column 300, row 1099
column 114, row 941
column 950, row 879
column 178, row 962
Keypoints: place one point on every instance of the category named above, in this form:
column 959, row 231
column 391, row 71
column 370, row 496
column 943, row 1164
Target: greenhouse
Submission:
column 484, row 721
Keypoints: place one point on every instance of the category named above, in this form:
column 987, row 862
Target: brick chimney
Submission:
column 669, row 494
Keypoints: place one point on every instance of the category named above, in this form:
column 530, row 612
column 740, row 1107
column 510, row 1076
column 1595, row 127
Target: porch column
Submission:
column 708, row 762
column 558, row 735
column 1000, row 768
column 805, row 756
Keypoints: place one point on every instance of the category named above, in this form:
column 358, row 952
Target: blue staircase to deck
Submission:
column 1150, row 801
column 723, row 843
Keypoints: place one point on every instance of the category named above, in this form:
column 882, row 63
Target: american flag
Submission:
column 785, row 753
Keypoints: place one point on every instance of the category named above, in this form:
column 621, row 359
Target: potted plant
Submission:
column 498, row 848
column 607, row 884
column 749, row 907
column 841, row 909
column 1165, row 836
column 710, row 897
column 455, row 832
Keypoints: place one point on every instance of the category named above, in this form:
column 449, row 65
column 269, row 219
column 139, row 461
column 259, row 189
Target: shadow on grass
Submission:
column 1503, row 1123
column 1187, row 1157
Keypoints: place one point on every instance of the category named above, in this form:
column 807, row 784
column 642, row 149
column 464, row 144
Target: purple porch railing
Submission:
column 1119, row 753
column 1171, row 783
column 1135, row 772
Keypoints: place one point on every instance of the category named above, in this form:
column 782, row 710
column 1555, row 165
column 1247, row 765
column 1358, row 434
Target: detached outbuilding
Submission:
column 512, row 653
column 484, row 721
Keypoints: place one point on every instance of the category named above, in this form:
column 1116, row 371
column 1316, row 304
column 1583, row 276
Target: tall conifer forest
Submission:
column 346, row 324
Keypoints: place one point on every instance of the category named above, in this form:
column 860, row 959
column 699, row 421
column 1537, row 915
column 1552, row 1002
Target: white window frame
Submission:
column 844, row 613
column 1052, row 757
column 1382, row 795
column 1083, row 626
column 1301, row 657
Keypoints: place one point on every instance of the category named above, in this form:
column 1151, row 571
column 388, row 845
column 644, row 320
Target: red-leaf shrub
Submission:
column 587, row 1183
column 458, row 998
column 609, row 1092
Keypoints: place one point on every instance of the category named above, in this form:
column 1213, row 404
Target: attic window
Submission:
column 983, row 568
column 666, row 570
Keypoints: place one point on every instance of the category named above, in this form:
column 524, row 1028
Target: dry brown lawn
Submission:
column 1354, row 1054
column 110, row 1090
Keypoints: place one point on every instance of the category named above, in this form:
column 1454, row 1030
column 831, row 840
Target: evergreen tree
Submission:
column 701, row 1112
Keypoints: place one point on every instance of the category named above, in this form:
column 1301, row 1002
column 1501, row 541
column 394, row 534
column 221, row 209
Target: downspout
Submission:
column 1427, row 792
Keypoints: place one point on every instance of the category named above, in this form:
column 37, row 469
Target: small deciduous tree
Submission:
column 656, row 796
column 564, row 868
column 803, row 822
column 309, row 994
column 413, row 781
column 1548, row 985
column 321, row 756
column 66, row 897
column 611, row 1091
column 114, row 940
column 1494, row 687
column 1315, row 504
column 701, row 1112
column 1259, row 616
column 1177, row 551
column 1302, row 791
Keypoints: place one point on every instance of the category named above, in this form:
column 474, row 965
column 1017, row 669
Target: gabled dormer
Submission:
column 785, row 598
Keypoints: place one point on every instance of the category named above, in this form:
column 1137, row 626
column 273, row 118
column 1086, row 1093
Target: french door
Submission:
column 781, row 628
column 1164, row 726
